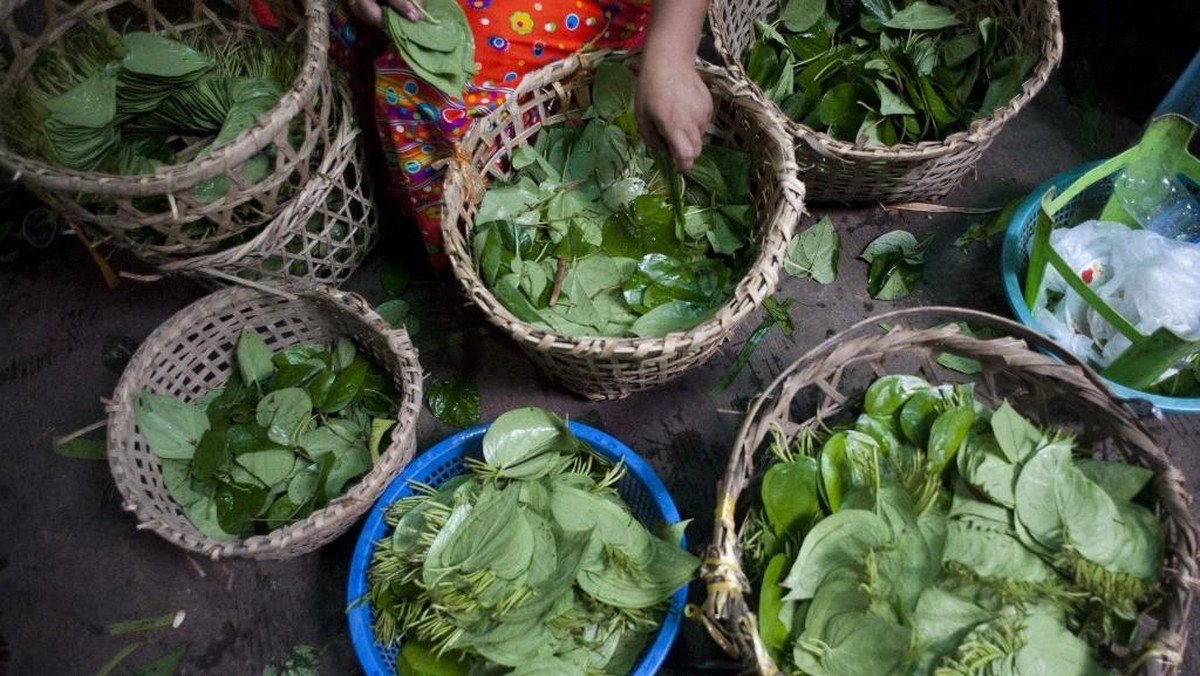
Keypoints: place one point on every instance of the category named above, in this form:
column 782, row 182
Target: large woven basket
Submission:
column 838, row 171
column 611, row 368
column 829, row 381
column 151, row 213
column 193, row 352
column 321, row 236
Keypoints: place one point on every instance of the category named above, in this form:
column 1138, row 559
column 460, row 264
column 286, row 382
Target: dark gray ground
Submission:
column 72, row 562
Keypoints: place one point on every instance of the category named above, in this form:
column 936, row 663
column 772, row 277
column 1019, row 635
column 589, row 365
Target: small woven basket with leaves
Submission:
column 193, row 352
column 321, row 236
column 840, row 171
column 611, row 368
column 160, row 214
column 826, row 386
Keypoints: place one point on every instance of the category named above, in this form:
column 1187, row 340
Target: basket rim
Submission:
column 741, row 302
column 978, row 132
column 1010, row 272
column 453, row 446
column 335, row 517
column 176, row 177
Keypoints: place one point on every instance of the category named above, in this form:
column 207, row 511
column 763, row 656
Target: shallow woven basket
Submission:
column 149, row 213
column 321, row 236
column 612, row 368
column 193, row 352
column 838, row 171
column 827, row 384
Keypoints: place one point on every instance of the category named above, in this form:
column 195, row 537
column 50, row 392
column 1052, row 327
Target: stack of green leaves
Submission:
column 530, row 560
column 285, row 435
column 884, row 72
column 592, row 236
column 440, row 48
column 937, row 536
column 117, row 103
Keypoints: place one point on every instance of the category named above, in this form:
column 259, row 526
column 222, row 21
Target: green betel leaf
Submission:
column 1121, row 481
column 1037, row 496
column 791, row 497
column 269, row 467
column 887, row 394
column 171, row 427
column 284, row 413
column 890, row 103
column 525, row 442
column 253, row 357
column 1017, row 437
column 346, row 468
column 612, row 89
column 394, row 278
column 1007, row 76
column 455, row 401
column 155, row 55
column 92, row 104
column 897, row 264
column 345, row 388
column 800, row 15
column 82, row 448
column 394, row 312
column 344, row 353
column 838, row 541
column 672, row 317
column 841, row 107
column 212, row 453
column 921, row 15
column 1050, row 649
column 814, row 253
column 238, row 505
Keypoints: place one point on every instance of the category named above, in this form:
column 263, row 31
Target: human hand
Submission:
column 370, row 13
column 673, row 107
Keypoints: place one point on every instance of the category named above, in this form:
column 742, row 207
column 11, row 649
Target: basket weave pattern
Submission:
column 612, row 368
column 835, row 170
column 193, row 352
column 149, row 213
column 830, row 380
column 322, row 235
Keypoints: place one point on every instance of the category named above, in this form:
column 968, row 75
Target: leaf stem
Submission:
column 560, row 274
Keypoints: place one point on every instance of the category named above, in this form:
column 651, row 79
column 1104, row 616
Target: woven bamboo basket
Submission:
column 321, row 236
column 193, row 352
column 156, row 215
column 838, row 171
column 829, row 380
column 613, row 368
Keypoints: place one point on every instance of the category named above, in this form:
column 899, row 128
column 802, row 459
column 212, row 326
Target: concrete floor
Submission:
column 72, row 562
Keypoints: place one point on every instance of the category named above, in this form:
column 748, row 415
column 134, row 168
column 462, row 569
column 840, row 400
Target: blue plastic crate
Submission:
column 640, row 487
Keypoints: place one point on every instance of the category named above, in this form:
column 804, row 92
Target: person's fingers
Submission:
column 685, row 147
column 409, row 9
column 368, row 11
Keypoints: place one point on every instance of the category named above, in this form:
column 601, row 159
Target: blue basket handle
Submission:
column 1184, row 96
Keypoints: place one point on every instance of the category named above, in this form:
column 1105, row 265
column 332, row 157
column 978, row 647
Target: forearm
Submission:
column 675, row 28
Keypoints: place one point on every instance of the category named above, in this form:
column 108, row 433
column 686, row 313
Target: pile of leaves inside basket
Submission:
column 883, row 72
column 934, row 535
column 530, row 559
column 100, row 100
column 285, row 435
column 592, row 235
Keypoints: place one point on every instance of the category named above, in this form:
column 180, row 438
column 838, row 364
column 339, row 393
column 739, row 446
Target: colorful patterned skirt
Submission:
column 420, row 125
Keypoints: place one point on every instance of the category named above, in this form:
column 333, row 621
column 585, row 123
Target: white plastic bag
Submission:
column 1152, row 281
